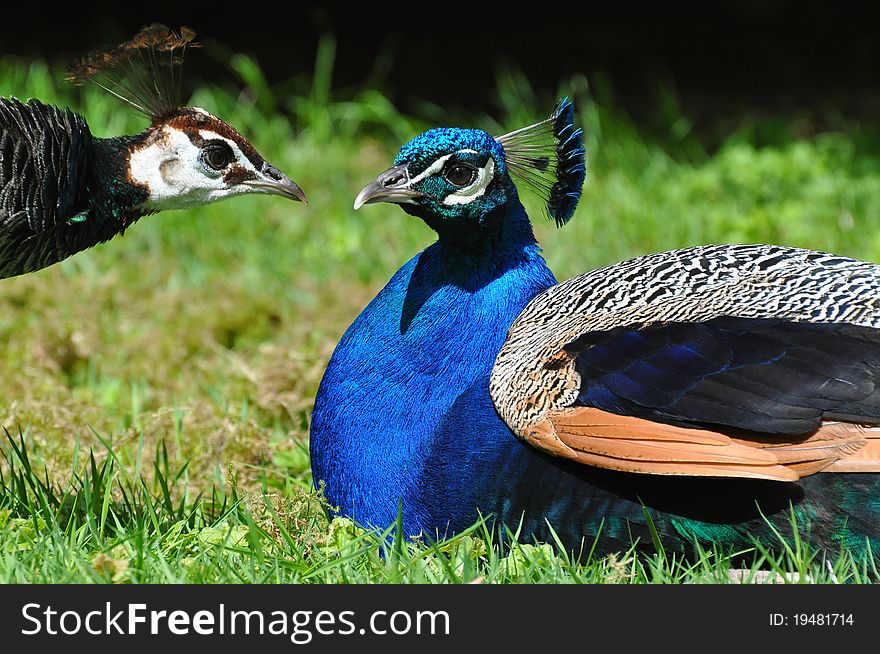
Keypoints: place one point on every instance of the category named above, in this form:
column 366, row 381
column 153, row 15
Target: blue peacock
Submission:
column 698, row 396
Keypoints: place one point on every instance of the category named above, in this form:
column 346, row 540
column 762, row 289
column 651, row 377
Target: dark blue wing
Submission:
column 760, row 375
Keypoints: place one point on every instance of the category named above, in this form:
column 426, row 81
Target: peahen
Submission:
column 63, row 190
column 701, row 396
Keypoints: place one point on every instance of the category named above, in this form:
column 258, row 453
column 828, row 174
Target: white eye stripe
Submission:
column 476, row 188
column 470, row 192
column 438, row 164
column 434, row 168
column 213, row 136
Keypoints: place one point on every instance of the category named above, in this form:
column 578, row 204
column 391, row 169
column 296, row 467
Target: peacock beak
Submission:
column 273, row 182
column 390, row 186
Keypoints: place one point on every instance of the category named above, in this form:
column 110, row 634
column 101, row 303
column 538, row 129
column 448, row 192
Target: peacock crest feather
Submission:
column 144, row 72
column 549, row 158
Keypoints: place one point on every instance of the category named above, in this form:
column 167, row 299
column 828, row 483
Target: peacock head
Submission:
column 452, row 177
column 445, row 176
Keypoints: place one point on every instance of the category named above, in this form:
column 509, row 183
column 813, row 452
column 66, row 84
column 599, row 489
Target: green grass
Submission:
column 105, row 525
column 157, row 389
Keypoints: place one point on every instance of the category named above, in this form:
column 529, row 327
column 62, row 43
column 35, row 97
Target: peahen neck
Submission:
column 115, row 201
column 90, row 199
column 429, row 334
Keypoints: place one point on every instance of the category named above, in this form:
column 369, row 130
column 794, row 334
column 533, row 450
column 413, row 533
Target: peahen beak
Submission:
column 273, row 182
column 390, row 186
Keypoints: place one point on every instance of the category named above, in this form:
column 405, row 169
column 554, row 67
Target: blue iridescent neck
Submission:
column 429, row 334
column 482, row 242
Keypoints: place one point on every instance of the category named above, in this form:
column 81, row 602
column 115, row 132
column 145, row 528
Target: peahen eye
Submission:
column 217, row 155
column 460, row 174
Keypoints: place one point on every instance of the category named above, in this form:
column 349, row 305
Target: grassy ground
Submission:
column 156, row 390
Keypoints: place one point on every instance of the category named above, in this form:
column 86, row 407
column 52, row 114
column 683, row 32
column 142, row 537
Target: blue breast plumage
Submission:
column 414, row 343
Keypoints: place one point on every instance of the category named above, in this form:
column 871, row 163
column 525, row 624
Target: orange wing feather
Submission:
column 607, row 440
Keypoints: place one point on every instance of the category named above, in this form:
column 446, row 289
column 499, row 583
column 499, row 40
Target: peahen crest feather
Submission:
column 549, row 158
column 143, row 72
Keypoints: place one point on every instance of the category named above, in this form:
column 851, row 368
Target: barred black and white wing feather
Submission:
column 44, row 156
column 739, row 360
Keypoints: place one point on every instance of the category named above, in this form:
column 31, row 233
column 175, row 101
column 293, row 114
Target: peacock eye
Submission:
column 460, row 174
column 217, row 155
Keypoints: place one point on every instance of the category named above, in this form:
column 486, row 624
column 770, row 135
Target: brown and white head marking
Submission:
column 187, row 157
column 192, row 158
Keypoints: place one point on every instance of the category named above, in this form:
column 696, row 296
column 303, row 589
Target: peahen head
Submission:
column 187, row 157
column 64, row 190
column 458, row 179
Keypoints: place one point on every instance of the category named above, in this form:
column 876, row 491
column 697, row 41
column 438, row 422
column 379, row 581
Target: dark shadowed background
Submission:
column 719, row 59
